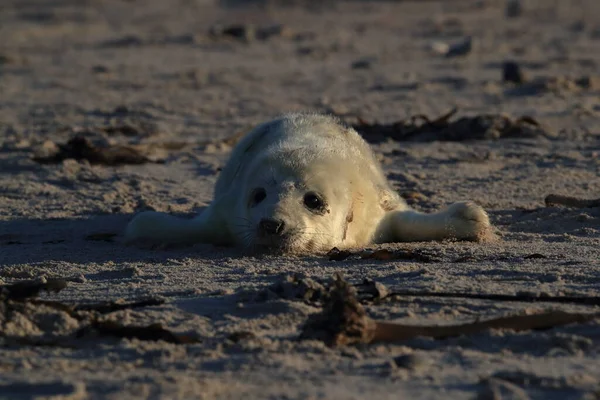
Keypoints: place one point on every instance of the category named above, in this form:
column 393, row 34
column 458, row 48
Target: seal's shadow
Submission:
column 93, row 239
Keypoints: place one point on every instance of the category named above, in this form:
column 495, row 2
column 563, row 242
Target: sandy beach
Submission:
column 173, row 82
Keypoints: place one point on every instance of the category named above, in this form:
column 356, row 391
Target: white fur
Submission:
column 293, row 155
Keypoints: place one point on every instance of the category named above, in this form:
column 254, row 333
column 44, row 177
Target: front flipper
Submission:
column 161, row 228
column 463, row 220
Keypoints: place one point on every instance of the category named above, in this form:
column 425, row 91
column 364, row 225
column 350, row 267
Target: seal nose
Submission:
column 271, row 226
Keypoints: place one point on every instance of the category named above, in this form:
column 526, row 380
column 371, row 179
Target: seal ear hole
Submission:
column 314, row 202
column 257, row 195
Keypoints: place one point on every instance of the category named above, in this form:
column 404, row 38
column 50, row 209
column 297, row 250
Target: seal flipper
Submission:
column 167, row 229
column 462, row 220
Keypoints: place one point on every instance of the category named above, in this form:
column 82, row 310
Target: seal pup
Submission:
column 305, row 183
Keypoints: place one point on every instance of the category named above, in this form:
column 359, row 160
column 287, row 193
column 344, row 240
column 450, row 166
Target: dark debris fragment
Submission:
column 154, row 332
column 81, row 148
column 27, row 289
column 247, row 32
column 336, row 254
column 343, row 320
column 108, row 307
column 421, row 128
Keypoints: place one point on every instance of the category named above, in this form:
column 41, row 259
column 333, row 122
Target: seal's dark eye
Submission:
column 313, row 202
column 258, row 195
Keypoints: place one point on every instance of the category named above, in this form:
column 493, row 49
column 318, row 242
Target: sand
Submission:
column 70, row 66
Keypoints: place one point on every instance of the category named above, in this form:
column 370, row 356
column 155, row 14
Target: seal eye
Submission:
column 313, row 202
column 258, row 195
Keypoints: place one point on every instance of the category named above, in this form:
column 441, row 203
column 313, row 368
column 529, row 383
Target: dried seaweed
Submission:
column 81, row 148
column 569, row 201
column 581, row 300
column 344, row 321
column 112, row 306
column 18, row 298
column 154, row 332
column 27, row 289
column 423, row 129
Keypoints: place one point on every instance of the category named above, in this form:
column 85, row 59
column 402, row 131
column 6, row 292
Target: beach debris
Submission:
column 81, row 148
column 511, row 72
column 247, row 32
column 363, row 63
column 421, row 128
column 458, row 49
column 112, row 306
column 523, row 298
column 31, row 288
column 123, row 41
column 20, row 299
column 336, row 254
column 344, row 321
column 513, row 8
column 570, row 201
column 153, row 332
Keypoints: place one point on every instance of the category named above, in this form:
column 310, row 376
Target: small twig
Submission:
column 344, row 321
column 587, row 300
column 100, row 308
column 108, row 307
column 569, row 201
column 391, row 332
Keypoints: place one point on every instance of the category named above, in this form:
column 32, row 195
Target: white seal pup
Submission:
column 304, row 183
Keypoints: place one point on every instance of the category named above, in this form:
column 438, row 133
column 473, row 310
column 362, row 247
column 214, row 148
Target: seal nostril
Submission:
column 271, row 226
